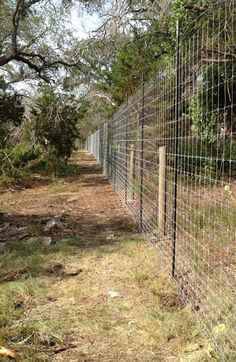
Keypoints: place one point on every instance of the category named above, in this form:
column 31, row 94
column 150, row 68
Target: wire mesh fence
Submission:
column 170, row 152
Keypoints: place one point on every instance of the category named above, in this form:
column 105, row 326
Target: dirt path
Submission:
column 96, row 293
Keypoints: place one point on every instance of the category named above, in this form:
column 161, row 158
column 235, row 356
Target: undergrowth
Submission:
column 19, row 164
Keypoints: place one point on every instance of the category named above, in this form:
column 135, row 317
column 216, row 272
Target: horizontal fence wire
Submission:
column 170, row 152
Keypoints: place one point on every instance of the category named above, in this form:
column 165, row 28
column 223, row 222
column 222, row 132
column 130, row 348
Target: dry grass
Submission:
column 46, row 312
column 48, row 315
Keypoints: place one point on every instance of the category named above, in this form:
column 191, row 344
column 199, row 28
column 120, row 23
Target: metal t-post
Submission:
column 126, row 149
column 141, row 156
column 109, row 150
column 177, row 100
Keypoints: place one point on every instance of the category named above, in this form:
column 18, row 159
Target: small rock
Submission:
column 46, row 240
column 113, row 294
column 110, row 237
column 131, row 323
column 61, row 225
column 50, row 224
column 54, row 224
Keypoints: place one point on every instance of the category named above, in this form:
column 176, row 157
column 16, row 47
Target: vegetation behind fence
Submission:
column 170, row 152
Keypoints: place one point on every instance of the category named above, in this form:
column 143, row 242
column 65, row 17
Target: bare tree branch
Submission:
column 15, row 23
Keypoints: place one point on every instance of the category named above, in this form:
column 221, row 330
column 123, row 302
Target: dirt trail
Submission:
column 120, row 307
column 88, row 202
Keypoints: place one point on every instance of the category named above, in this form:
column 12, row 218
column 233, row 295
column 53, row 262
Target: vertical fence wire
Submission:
column 188, row 108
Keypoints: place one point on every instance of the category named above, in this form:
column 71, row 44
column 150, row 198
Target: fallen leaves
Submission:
column 7, row 352
column 58, row 269
column 13, row 275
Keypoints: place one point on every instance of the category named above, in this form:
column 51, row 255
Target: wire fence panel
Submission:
column 170, row 152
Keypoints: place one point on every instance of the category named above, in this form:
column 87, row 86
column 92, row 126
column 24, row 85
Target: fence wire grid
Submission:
column 170, row 152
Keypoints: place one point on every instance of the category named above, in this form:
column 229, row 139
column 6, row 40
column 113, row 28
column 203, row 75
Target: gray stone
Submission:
column 46, row 240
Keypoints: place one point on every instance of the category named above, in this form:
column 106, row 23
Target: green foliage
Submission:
column 211, row 112
column 203, row 121
column 55, row 164
column 55, row 119
column 190, row 14
column 24, row 152
column 17, row 162
column 141, row 55
column 46, row 142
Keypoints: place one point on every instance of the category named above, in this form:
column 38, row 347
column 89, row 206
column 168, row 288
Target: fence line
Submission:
column 170, row 152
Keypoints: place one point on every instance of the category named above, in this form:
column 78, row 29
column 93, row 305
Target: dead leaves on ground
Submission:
column 7, row 352
column 13, row 275
column 58, row 270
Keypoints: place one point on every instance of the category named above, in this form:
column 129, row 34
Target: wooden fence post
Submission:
column 131, row 172
column 162, row 191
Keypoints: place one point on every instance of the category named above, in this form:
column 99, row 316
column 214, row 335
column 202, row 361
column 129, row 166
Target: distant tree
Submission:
column 11, row 112
column 94, row 109
column 55, row 118
column 141, row 55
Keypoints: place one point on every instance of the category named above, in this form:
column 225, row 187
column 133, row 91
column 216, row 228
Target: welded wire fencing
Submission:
column 170, row 152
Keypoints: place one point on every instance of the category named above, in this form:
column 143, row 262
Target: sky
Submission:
column 85, row 24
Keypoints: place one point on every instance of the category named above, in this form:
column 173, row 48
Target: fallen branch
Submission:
column 12, row 275
column 65, row 348
column 73, row 274
column 59, row 349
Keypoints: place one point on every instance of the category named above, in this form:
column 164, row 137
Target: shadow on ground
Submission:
column 87, row 213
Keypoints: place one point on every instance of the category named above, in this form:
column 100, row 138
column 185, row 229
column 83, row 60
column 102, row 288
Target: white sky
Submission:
column 84, row 24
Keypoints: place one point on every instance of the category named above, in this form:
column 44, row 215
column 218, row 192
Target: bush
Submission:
column 55, row 119
column 57, row 165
